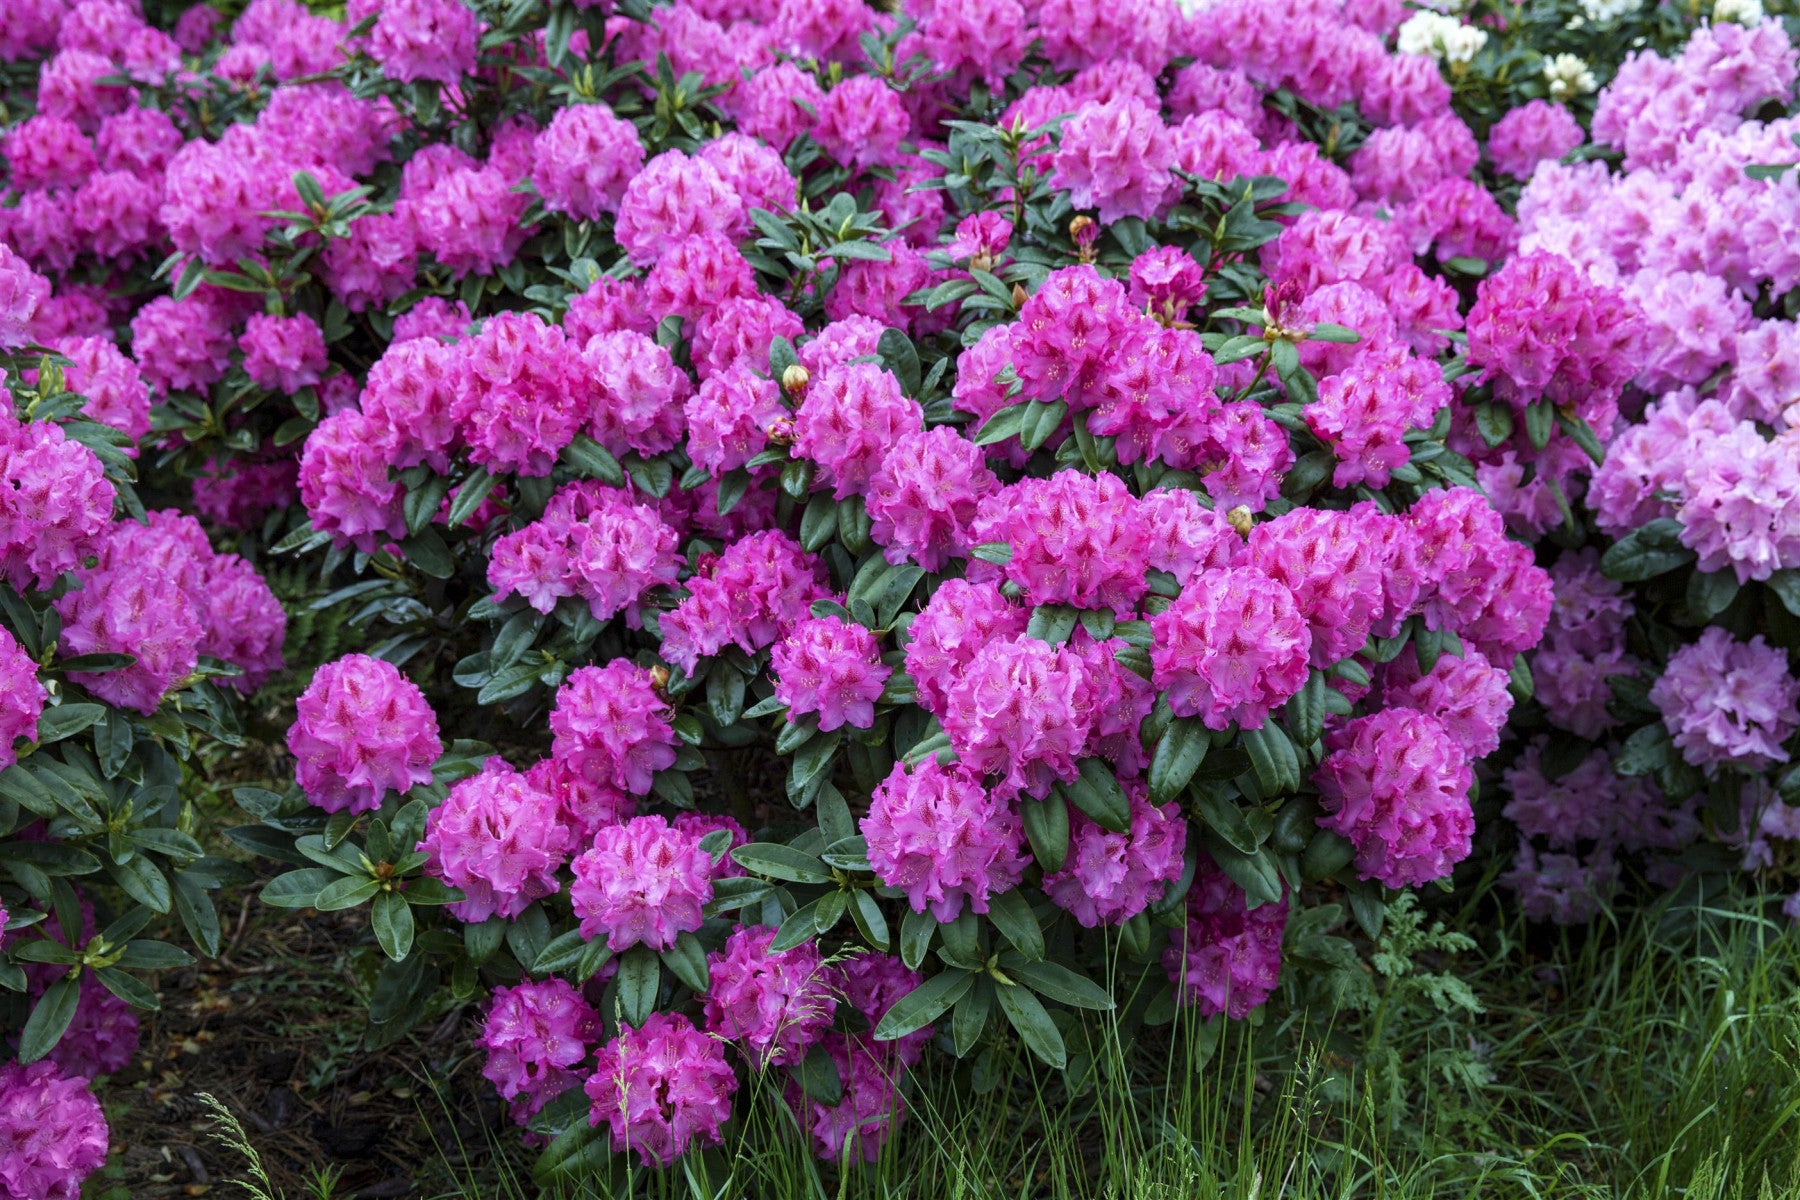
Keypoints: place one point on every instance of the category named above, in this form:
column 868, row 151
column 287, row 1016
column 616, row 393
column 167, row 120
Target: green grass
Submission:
column 1657, row 1056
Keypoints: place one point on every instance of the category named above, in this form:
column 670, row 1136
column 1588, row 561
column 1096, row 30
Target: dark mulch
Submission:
column 273, row 1029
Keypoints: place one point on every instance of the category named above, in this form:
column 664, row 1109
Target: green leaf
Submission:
column 639, row 978
column 1255, row 873
column 199, row 916
column 1582, row 434
column 1326, row 854
column 998, row 553
column 1060, row 984
column 1224, row 817
column 1011, row 914
column 590, row 460
column 469, row 495
column 144, row 882
column 686, row 959
column 1053, row 623
column 1002, row 425
column 67, row 720
column 426, row 550
column 1540, row 422
column 1047, row 829
column 782, row 862
column 1710, row 593
column 1494, row 422
column 1098, row 794
column 1179, row 753
column 346, row 892
column 392, row 919
column 1650, row 550
column 924, row 1004
column 1786, row 586
column 801, row 925
column 1647, row 750
column 818, row 1077
column 144, row 955
column 902, row 358
column 1027, row 1015
column 1305, row 711
column 49, row 1018
column 916, row 929
column 818, row 524
column 870, row 922
column 1040, row 421
column 970, row 1016
column 1273, row 757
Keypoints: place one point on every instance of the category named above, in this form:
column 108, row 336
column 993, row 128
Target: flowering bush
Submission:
column 125, row 638
column 1088, row 465
column 1668, row 649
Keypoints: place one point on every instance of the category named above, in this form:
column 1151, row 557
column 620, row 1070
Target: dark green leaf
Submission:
column 591, row 460
column 686, row 959
column 639, row 978
column 1059, row 984
column 392, row 920
column 782, row 862
column 924, row 1004
column 1011, row 914
column 1652, row 549
column 1027, row 1015
column 1047, row 829
column 67, row 720
column 49, row 1018
column 1179, row 753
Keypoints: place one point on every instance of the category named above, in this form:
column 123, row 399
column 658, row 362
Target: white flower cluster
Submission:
column 1601, row 11
column 1444, row 38
column 1744, row 12
column 1569, row 75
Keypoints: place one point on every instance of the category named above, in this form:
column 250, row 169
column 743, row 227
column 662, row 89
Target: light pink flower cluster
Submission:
column 54, row 503
column 160, row 593
column 612, row 726
column 936, row 833
column 755, row 592
column 850, row 416
column 1727, row 701
column 591, row 542
column 361, row 729
column 52, row 1132
column 1232, row 648
column 1075, row 538
column 642, row 881
column 831, row 667
column 22, row 698
column 923, row 499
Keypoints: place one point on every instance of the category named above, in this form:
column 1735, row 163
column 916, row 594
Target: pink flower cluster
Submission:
column 591, row 542
column 498, row 837
column 661, row 1088
column 535, row 1035
column 161, row 593
column 1396, row 785
column 362, row 729
column 642, row 881
column 52, row 1132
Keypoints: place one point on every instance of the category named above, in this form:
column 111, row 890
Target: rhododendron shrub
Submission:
column 126, row 639
column 1666, row 682
column 833, row 560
